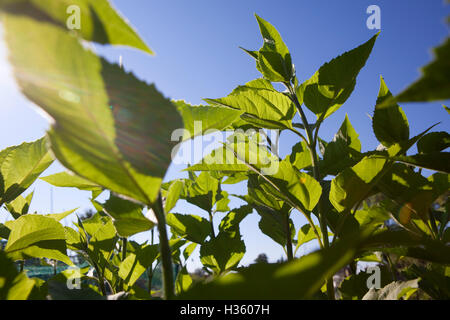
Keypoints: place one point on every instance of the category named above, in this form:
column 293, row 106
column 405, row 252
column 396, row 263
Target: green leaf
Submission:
column 300, row 156
column 184, row 281
column 191, row 227
column 434, row 84
column 36, row 236
column 354, row 287
column 273, row 225
column 405, row 243
column 203, row 192
column 199, row 120
column 137, row 262
column 13, row 285
column 274, row 59
column 173, row 194
column 372, row 216
column 394, row 291
column 117, row 139
column 4, row 231
column 307, row 273
column 434, row 142
column 62, row 215
column 20, row 166
column 222, row 202
column 303, row 189
column 237, row 153
column 69, row 180
column 342, row 152
column 19, row 206
column 328, row 89
column 389, row 122
column 354, row 184
column 230, row 223
column 222, row 253
column 99, row 21
column 438, row 161
column 127, row 216
column 446, row 109
column 259, row 100
column 307, row 234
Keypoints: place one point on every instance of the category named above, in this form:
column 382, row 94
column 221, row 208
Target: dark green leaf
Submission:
column 389, row 122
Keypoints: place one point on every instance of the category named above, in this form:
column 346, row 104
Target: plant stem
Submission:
column 315, row 166
column 290, row 255
column 164, row 248
column 211, row 222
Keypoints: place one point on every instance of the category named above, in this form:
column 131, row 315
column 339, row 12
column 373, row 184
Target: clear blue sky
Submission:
column 197, row 56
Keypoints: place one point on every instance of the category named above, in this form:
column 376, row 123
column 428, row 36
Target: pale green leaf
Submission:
column 99, row 20
column 36, row 236
column 20, row 166
column 117, row 139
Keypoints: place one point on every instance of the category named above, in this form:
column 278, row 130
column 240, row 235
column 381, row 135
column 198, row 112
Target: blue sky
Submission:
column 197, row 56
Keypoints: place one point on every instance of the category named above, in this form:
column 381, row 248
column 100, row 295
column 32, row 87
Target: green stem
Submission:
column 315, row 166
column 164, row 248
column 101, row 280
column 290, row 255
column 211, row 222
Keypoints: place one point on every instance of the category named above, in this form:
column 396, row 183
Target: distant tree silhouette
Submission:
column 261, row 258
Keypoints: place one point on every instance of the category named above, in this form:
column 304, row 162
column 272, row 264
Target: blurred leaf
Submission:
column 13, row 285
column 117, row 139
column 99, row 21
column 307, row 273
column 434, row 142
column 393, row 291
column 434, row 83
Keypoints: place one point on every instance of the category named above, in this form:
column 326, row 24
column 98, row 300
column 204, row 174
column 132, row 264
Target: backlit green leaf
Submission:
column 36, row 236
column 20, row 166
column 117, row 139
